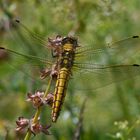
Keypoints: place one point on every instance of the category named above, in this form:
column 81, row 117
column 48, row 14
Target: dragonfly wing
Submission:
column 33, row 56
column 103, row 63
column 28, row 65
column 23, row 39
column 97, row 76
column 122, row 50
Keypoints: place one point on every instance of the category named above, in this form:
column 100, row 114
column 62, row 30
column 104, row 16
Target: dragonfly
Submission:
column 66, row 60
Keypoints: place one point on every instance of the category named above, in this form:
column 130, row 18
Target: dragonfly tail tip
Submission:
column 54, row 119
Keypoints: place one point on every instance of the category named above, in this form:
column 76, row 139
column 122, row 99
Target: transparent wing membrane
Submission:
column 28, row 54
column 105, row 65
column 115, row 51
column 28, row 41
column 27, row 58
column 31, row 35
column 97, row 76
column 30, row 66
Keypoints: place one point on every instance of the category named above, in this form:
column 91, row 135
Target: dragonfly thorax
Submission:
column 67, row 59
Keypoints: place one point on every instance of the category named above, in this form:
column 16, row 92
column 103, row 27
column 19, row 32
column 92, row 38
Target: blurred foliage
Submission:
column 93, row 22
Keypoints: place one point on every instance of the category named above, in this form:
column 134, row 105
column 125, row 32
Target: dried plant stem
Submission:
column 48, row 88
column 38, row 111
column 79, row 127
column 28, row 135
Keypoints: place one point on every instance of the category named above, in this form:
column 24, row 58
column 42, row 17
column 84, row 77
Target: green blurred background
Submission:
column 111, row 112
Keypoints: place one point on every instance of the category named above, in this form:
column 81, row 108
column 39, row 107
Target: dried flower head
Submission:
column 38, row 99
column 49, row 99
column 22, row 123
column 55, row 42
column 37, row 128
column 52, row 72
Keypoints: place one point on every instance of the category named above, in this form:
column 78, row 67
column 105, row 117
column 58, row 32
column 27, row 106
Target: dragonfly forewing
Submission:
column 117, row 51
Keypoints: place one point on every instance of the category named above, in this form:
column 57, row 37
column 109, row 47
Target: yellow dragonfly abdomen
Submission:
column 60, row 92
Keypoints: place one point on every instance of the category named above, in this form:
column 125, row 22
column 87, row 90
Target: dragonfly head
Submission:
column 59, row 43
column 70, row 40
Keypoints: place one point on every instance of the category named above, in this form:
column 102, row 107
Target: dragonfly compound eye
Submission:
column 70, row 40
